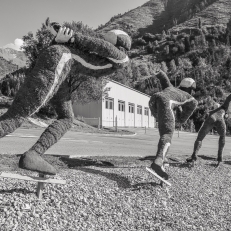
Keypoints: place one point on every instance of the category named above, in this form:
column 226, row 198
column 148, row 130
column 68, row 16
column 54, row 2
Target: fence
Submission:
column 95, row 122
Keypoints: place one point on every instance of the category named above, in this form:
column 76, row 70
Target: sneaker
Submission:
column 191, row 159
column 159, row 170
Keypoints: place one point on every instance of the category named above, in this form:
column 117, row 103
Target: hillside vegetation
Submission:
column 157, row 15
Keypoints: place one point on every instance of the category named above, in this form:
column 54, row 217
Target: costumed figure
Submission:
column 50, row 81
column 167, row 106
column 216, row 118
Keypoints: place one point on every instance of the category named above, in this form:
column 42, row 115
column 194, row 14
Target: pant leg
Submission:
column 166, row 122
column 221, row 129
column 51, row 135
column 204, row 130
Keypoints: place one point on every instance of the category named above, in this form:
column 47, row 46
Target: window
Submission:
column 131, row 108
column 146, row 111
column 108, row 103
column 139, row 109
column 111, row 105
column 121, row 106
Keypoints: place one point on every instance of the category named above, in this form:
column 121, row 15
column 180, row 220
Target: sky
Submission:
column 18, row 17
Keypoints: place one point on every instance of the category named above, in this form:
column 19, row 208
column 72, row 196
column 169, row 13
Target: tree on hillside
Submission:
column 34, row 45
column 164, row 67
column 199, row 23
column 187, row 44
column 172, row 66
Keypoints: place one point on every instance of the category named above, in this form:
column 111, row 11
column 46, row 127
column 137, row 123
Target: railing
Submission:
column 95, row 122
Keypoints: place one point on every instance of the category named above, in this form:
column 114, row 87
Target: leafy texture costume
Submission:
column 216, row 118
column 167, row 106
column 49, row 81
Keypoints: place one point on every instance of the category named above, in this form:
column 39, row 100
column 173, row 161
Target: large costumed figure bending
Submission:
column 170, row 105
column 49, row 82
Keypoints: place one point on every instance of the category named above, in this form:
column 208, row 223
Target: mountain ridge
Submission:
column 16, row 57
column 154, row 16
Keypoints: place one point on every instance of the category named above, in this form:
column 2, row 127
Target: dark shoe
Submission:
column 159, row 170
column 191, row 159
column 34, row 162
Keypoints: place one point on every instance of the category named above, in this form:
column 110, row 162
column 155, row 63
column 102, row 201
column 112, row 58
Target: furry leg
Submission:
column 221, row 129
column 166, row 122
column 52, row 134
column 51, row 70
column 63, row 107
column 204, row 130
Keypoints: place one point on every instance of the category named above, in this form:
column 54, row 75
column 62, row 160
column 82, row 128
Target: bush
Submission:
column 148, row 37
column 140, row 42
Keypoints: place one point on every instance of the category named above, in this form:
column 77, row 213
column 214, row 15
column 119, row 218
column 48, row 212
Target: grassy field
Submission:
column 117, row 193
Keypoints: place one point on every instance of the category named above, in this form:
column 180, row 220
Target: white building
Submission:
column 124, row 105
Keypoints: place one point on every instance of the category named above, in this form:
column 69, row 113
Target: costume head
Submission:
column 188, row 85
column 118, row 38
column 53, row 27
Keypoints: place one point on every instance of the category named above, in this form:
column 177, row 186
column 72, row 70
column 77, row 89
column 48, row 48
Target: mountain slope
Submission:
column 6, row 67
column 15, row 57
column 158, row 15
column 136, row 19
column 218, row 12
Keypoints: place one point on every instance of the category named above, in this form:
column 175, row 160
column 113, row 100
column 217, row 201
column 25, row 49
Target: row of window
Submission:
column 121, row 107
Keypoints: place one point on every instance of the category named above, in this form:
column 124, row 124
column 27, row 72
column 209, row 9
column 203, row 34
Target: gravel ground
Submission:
column 117, row 193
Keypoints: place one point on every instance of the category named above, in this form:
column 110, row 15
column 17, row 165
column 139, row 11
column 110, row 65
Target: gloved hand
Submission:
column 64, row 35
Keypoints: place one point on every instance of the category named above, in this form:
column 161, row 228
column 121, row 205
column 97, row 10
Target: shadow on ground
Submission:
column 206, row 157
column 122, row 182
column 80, row 162
column 227, row 162
column 147, row 158
column 181, row 165
column 18, row 190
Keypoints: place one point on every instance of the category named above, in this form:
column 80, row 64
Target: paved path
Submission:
column 82, row 144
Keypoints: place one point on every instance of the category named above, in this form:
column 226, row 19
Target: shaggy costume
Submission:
column 49, row 81
column 162, row 105
column 216, row 118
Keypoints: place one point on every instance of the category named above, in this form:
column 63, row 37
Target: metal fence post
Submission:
column 99, row 123
column 116, row 124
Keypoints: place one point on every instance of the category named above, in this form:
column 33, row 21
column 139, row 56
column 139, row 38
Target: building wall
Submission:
column 120, row 93
column 118, row 107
